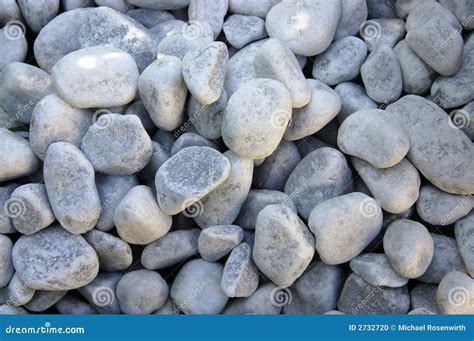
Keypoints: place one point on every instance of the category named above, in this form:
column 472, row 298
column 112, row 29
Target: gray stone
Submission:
column 265, row 300
column 440, row 208
column 22, row 86
column 217, row 241
column 19, row 292
column 118, row 5
column 344, row 226
column 142, row 292
column 455, row 294
column 139, row 219
column 446, row 258
column 404, row 7
column 359, row 297
column 341, row 61
column 256, row 117
column 375, row 269
column 353, row 14
column 275, row 60
column 12, row 310
column 190, row 140
column 462, row 9
column 275, row 170
column 43, row 300
column 138, row 109
column 409, row 247
column 240, row 275
column 6, row 265
column 38, row 13
column 257, row 200
column 167, row 28
column 323, row 174
column 70, row 184
column 114, row 254
column 423, row 296
column 101, row 293
column 159, row 157
column 16, row 156
column 6, row 225
column 283, row 245
column 13, row 44
column 307, row 27
column 54, row 120
column 167, row 309
column 149, row 17
column 464, row 119
column 442, row 153
column 381, row 9
column 9, row 11
column 243, row 29
column 173, row 248
column 160, row 4
column 117, row 144
column 165, row 139
column 55, row 259
column 70, row 304
column 323, row 106
column 464, row 232
column 164, row 100
column 210, row 11
column 353, row 98
column 188, row 176
column 382, row 75
column 395, row 188
column 197, row 288
column 207, row 119
column 29, row 209
column 377, row 32
column 69, row 5
column 223, row 204
column 257, row 8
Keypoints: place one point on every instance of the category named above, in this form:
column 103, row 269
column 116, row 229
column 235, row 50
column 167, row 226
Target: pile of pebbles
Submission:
column 236, row 156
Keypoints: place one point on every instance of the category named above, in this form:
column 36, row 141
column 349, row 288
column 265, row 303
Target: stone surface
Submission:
column 207, row 119
column 265, row 300
column 353, row 14
column 353, row 98
column 375, row 269
column 464, row 232
column 6, row 225
column 455, row 294
column 13, row 44
column 211, row 11
column 6, row 264
column 101, row 293
column 217, row 241
column 43, row 300
column 38, row 13
column 189, row 140
column 377, row 32
column 243, row 29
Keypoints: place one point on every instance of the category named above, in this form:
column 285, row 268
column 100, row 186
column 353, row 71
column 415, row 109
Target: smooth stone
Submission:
column 164, row 100
column 440, row 208
column 381, row 9
column 375, row 269
column 117, row 145
column 257, row 200
column 359, row 297
column 16, row 156
column 201, row 281
column 381, row 75
column 188, row 176
column 6, row 264
column 344, row 226
column 6, row 225
column 404, row 7
column 112, row 189
column 70, row 184
column 443, row 154
column 435, row 35
column 167, row 28
column 166, row 309
column 38, row 13
column 283, row 245
column 70, row 304
column 207, row 119
column 69, row 5
column 275, row 170
column 374, row 136
column 353, row 98
column 190, row 140
column 59, row 37
column 423, row 296
column 455, row 294
column 149, row 17
column 256, row 117
column 43, row 300
column 409, row 247
column 223, row 204
column 139, row 219
column 160, row 4
column 22, row 86
column 173, row 248
column 9, row 11
column 323, row 174
column 212, row 12
column 353, row 14
column 141, row 292
column 275, row 60
column 217, row 241
column 319, row 287
column 18, row 291
column 54, row 120
column 243, row 29
column 257, row 8
column 6, row 309
column 101, row 293
column 417, row 75
column 29, row 209
column 308, row 27
column 446, row 258
column 114, row 254
column 165, row 139
column 377, row 32
column 323, row 106
column 99, row 76
column 262, row 301
column 240, row 277
column 463, row 10
column 341, row 61
column 395, row 188
column 55, row 259
column 159, row 157
column 464, row 232
column 138, row 109
column 13, row 44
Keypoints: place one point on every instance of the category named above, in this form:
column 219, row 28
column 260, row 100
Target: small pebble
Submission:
column 464, row 232
column 217, row 241
column 455, row 294
column 243, row 29
column 6, row 265
column 375, row 269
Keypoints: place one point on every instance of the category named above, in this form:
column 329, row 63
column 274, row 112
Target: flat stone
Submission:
column 6, row 265
column 55, row 259
column 263, row 301
column 217, row 241
column 455, row 294
column 207, row 119
column 283, row 245
column 243, row 29
column 70, row 185
column 464, row 232
column 38, row 13
column 375, row 269
column 344, row 226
